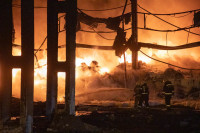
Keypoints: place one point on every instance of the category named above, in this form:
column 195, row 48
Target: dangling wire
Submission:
column 188, row 37
column 125, row 76
column 145, row 20
column 123, row 14
column 180, row 16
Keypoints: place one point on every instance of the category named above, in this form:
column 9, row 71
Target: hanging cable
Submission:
column 188, row 36
column 167, row 21
column 182, row 15
column 104, row 9
column 101, row 35
column 144, row 21
column 41, row 45
column 36, row 58
column 179, row 28
column 39, row 49
column 167, row 63
column 159, row 14
column 125, row 75
column 150, row 29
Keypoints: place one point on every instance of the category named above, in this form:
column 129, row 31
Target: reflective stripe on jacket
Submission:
column 168, row 93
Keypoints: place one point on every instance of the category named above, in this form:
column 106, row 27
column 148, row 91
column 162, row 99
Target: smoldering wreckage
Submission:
column 104, row 105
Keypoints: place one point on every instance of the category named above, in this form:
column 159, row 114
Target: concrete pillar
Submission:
column 5, row 59
column 71, row 21
column 52, row 56
column 27, row 66
column 53, row 66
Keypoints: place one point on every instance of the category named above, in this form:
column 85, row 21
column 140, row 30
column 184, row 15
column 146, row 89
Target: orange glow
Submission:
column 61, row 74
column 40, row 72
column 87, row 60
column 104, row 70
column 141, row 57
column 15, row 71
column 60, row 99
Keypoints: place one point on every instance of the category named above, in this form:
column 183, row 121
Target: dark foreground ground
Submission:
column 125, row 120
column 112, row 119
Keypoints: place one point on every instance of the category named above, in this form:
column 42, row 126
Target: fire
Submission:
column 61, row 74
column 104, row 70
column 40, row 72
column 60, row 99
column 15, row 71
column 128, row 58
column 88, row 62
column 141, row 57
column 145, row 59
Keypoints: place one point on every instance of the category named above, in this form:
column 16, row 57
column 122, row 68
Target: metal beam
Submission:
column 162, row 47
column 143, row 45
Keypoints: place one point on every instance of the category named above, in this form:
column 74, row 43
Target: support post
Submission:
column 52, row 56
column 71, row 21
column 134, row 34
column 5, row 59
column 53, row 66
column 27, row 77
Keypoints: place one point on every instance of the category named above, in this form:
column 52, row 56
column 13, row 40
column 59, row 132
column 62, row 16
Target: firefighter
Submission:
column 168, row 91
column 145, row 95
column 137, row 95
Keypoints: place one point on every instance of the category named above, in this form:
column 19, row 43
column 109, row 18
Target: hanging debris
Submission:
column 119, row 43
column 127, row 18
column 197, row 19
column 130, row 45
column 113, row 23
column 88, row 20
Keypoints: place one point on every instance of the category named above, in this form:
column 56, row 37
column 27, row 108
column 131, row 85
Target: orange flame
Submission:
column 141, row 57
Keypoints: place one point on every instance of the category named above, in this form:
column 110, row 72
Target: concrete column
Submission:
column 52, row 56
column 5, row 59
column 71, row 21
column 27, row 69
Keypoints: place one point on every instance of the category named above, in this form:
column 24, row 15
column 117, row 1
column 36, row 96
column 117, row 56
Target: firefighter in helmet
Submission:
column 168, row 91
column 138, row 91
column 145, row 95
